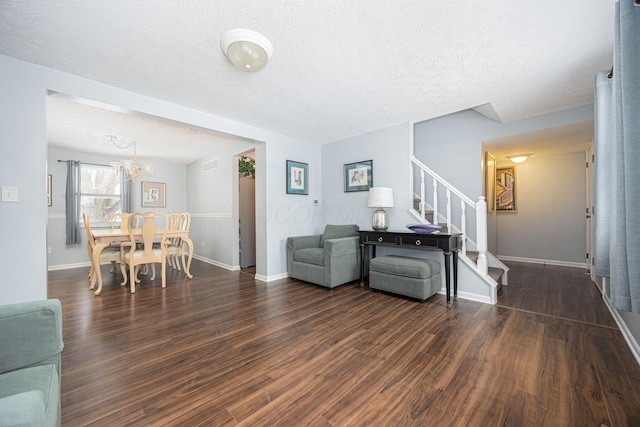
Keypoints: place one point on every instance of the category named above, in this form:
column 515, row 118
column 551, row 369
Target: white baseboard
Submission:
column 271, row 278
column 485, row 299
column 198, row 257
column 217, row 263
column 542, row 261
column 626, row 333
column 68, row 266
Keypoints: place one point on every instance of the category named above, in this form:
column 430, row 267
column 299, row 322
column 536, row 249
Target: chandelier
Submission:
column 130, row 169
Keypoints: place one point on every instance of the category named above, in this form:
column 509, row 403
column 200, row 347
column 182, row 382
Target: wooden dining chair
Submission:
column 153, row 225
column 108, row 254
column 120, row 220
column 175, row 248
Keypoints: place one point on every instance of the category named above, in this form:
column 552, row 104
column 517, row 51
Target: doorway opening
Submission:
column 247, row 211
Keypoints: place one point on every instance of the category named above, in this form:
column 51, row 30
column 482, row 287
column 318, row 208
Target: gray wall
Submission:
column 390, row 150
column 23, row 133
column 63, row 256
column 550, row 222
column 211, row 202
column 452, row 145
column 282, row 214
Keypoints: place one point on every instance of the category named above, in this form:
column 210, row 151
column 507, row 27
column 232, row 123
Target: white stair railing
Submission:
column 460, row 222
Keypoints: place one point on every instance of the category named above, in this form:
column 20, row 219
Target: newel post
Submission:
column 481, row 230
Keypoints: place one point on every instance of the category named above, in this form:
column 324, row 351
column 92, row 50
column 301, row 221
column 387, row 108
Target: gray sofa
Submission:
column 329, row 259
column 30, row 354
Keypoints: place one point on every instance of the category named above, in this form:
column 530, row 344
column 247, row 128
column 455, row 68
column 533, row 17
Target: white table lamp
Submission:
column 379, row 198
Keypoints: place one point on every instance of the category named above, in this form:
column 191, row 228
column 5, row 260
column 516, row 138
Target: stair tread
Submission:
column 495, row 273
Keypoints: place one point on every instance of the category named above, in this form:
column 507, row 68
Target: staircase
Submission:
column 460, row 215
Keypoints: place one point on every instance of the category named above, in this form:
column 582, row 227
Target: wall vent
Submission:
column 210, row 164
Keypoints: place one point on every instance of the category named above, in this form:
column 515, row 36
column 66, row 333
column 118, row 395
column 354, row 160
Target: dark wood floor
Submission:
column 222, row 349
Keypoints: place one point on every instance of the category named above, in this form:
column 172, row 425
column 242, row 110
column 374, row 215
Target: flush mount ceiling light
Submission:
column 246, row 49
column 519, row 158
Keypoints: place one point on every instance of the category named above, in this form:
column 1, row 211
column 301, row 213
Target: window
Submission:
column 99, row 193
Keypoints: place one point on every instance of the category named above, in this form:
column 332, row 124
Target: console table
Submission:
column 447, row 243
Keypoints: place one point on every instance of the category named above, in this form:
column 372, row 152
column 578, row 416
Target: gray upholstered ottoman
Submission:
column 412, row 277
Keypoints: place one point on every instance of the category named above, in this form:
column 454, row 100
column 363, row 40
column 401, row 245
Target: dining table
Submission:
column 105, row 237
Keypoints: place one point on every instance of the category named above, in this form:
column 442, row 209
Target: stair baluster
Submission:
column 463, row 215
column 449, row 229
column 486, row 264
column 435, row 201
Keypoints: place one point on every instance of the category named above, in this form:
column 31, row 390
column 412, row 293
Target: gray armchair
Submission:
column 329, row 259
column 30, row 352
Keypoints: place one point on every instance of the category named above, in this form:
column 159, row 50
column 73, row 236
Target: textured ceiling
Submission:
column 74, row 125
column 339, row 68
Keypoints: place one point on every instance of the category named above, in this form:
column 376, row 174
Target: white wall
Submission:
column 23, row 164
column 63, row 256
column 550, row 220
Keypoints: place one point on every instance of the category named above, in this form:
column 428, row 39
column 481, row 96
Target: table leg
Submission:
column 97, row 250
column 361, row 265
column 187, row 269
column 447, row 275
column 455, row 274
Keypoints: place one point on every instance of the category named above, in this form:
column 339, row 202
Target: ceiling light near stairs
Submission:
column 519, row 158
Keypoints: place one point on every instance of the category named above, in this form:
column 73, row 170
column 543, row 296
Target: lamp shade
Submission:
column 380, row 197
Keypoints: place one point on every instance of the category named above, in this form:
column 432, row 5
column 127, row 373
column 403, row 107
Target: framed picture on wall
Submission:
column 358, row 176
column 297, row 177
column 490, row 181
column 506, row 189
column 153, row 194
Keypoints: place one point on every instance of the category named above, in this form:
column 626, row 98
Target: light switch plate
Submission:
column 9, row 193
